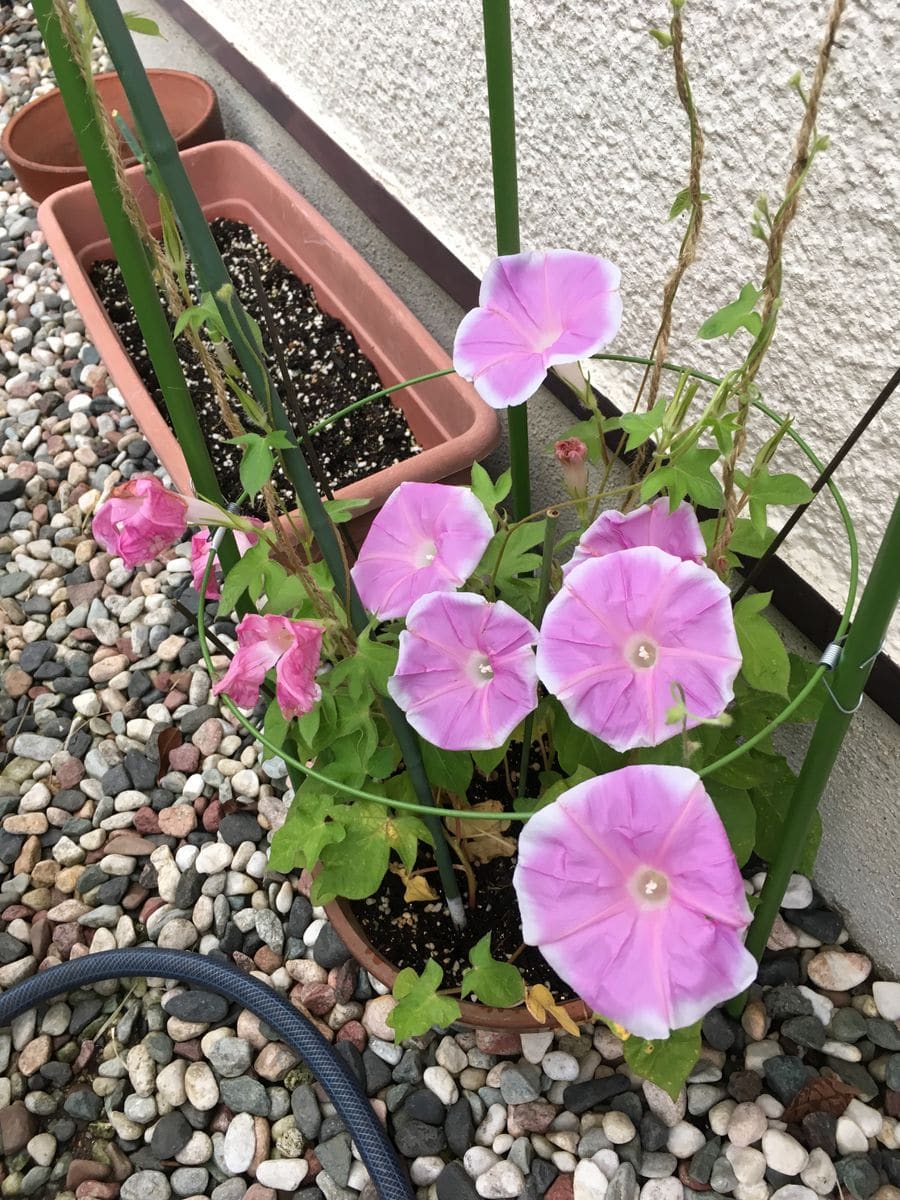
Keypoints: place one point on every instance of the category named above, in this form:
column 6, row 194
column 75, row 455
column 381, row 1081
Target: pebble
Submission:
column 783, row 1153
column 838, row 970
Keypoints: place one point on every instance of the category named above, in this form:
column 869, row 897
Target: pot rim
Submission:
column 54, row 96
column 472, row 1012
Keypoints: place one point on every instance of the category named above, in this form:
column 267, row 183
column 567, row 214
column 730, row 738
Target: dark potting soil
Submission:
column 324, row 360
column 408, row 933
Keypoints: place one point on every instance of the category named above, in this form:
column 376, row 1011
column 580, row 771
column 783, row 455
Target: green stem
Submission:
column 543, row 597
column 502, row 115
column 212, row 277
column 848, row 680
column 130, row 253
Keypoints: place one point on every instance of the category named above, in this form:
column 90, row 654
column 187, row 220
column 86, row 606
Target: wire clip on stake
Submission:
column 829, row 659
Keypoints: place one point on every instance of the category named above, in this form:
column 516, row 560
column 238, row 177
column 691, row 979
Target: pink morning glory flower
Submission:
column 291, row 647
column 571, row 454
column 675, row 532
column 141, row 517
column 536, row 309
column 465, row 676
column 627, row 627
column 428, row 537
column 629, row 886
column 200, row 544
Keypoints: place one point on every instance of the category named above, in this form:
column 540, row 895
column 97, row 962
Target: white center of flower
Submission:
column 641, row 652
column 650, row 887
column 426, row 554
column 481, row 668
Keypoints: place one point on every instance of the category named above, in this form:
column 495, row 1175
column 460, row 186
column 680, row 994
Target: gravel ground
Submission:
column 108, row 839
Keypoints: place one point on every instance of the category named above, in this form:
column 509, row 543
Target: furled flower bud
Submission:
column 571, row 453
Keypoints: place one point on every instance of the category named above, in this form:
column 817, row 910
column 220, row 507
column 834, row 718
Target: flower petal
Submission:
column 465, row 676
column 677, row 533
column 536, row 309
column 428, row 537
column 610, row 607
column 140, row 519
column 652, row 964
column 295, row 675
column 259, row 648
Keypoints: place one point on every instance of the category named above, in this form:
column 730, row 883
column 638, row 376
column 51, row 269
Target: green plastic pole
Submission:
column 502, row 115
column 130, row 252
column 213, row 277
column 847, row 682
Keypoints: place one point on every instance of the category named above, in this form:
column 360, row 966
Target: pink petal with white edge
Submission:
column 677, row 533
column 652, row 964
column 536, row 309
column 623, row 630
column 465, row 676
column 428, row 537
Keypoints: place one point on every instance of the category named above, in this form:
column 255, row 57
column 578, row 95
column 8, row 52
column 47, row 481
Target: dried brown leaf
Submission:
column 830, row 1095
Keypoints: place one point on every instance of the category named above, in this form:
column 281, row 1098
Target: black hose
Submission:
column 300, row 1034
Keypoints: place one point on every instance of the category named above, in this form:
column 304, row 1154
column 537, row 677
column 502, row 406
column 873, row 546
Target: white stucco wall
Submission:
column 857, row 867
column 603, row 150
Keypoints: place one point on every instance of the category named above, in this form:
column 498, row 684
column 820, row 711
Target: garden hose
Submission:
column 226, row 980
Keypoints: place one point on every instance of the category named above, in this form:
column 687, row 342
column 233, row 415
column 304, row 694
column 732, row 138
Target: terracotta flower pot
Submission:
column 41, row 146
column 479, row 1016
column 448, row 419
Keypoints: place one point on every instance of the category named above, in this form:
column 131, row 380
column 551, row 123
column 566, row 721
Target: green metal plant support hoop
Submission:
column 516, row 815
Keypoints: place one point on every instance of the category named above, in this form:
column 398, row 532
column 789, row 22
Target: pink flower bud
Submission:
column 571, row 453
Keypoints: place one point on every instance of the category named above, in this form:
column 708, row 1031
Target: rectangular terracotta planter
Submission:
column 448, row 419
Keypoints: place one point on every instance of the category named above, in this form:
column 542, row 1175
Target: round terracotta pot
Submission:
column 41, row 146
column 478, row 1016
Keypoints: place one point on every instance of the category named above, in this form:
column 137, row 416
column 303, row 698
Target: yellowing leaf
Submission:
column 415, row 887
column 483, row 840
column 540, row 1003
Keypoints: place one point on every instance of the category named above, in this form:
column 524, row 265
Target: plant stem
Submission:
column 543, row 597
column 131, row 255
column 848, row 680
column 502, row 116
column 213, row 277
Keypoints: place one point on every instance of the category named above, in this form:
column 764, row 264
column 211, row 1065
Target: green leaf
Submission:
column 640, row 425
column 738, row 815
column 771, row 801
column 418, row 1004
column 342, row 511
column 785, row 489
column 245, row 576
column 488, row 760
column 498, row 984
column 802, row 670
column 515, row 547
column 739, row 314
column 275, row 724
column 355, row 866
column 688, row 475
column 488, row 492
column 257, row 464
column 138, row 24
column 379, row 659
column 447, row 769
column 575, row 747
column 766, row 666
column 661, row 36
column 668, row 1062
column 682, row 201
column 308, row 829
column 744, row 540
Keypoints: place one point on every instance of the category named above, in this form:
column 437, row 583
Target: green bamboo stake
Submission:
column 502, row 115
column 129, row 251
column 213, row 277
column 847, row 683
